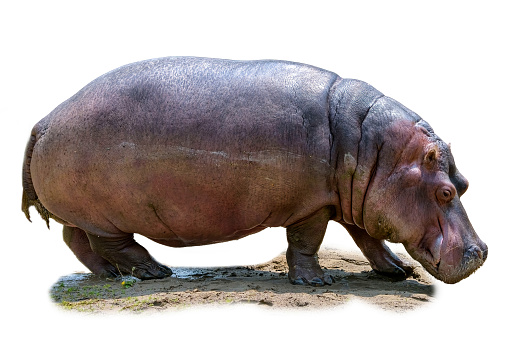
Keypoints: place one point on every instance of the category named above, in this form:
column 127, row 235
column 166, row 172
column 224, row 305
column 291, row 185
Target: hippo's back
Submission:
column 177, row 134
column 233, row 101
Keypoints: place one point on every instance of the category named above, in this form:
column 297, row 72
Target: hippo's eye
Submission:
column 445, row 193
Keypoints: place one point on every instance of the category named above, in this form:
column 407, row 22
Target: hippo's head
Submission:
column 413, row 196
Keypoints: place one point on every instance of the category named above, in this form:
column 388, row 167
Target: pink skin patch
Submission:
column 435, row 249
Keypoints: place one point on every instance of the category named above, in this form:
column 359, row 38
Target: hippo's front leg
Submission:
column 380, row 257
column 123, row 252
column 304, row 239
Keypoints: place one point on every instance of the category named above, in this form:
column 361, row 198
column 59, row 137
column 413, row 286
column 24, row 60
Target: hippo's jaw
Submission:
column 452, row 255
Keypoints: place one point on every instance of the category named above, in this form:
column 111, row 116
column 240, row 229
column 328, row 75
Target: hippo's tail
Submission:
column 29, row 195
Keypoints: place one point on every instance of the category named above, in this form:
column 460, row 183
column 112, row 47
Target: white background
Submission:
column 445, row 60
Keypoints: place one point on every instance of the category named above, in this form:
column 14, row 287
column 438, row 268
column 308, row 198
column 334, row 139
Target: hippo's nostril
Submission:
column 474, row 252
column 479, row 253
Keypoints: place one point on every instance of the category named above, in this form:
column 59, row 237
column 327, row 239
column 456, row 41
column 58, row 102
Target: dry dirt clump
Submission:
column 266, row 285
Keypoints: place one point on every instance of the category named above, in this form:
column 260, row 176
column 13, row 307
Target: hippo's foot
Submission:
column 77, row 241
column 128, row 257
column 305, row 270
column 382, row 260
column 388, row 264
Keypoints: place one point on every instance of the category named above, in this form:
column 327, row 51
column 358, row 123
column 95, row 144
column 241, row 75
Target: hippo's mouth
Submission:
column 432, row 253
column 436, row 247
column 429, row 251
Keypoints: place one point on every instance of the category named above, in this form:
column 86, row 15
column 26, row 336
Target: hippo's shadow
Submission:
column 243, row 283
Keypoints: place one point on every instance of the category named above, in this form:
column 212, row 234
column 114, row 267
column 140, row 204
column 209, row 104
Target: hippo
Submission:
column 190, row 151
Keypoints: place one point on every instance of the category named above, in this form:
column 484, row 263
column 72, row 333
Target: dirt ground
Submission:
column 266, row 285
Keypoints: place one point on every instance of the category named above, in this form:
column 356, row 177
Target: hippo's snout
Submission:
column 456, row 263
column 469, row 259
column 455, row 252
column 473, row 258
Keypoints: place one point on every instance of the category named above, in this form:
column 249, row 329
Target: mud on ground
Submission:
column 266, row 285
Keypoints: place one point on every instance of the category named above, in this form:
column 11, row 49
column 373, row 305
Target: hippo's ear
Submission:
column 431, row 155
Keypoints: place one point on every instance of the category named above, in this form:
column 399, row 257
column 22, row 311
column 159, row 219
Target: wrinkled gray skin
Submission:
column 193, row 151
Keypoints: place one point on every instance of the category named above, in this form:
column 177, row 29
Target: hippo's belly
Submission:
column 180, row 196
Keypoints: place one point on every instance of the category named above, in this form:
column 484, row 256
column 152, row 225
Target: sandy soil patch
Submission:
column 266, row 285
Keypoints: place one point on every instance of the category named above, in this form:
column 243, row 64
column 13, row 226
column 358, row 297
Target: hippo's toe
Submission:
column 395, row 273
column 309, row 276
column 394, row 269
column 152, row 271
column 316, row 282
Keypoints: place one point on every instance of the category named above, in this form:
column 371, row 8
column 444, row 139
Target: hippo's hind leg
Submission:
column 380, row 257
column 304, row 240
column 77, row 241
column 123, row 252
